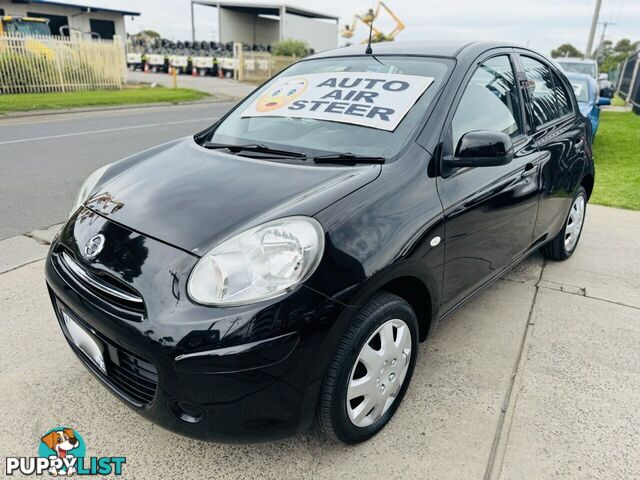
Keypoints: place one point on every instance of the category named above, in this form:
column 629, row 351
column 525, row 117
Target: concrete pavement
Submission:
column 537, row 377
column 221, row 87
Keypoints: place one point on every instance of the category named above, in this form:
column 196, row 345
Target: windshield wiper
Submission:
column 348, row 158
column 253, row 147
column 343, row 158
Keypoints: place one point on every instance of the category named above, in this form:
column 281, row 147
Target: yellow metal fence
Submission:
column 60, row 64
column 257, row 67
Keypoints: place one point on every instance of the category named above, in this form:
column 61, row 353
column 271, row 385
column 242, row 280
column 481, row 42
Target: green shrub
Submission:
column 33, row 72
column 290, row 47
column 26, row 71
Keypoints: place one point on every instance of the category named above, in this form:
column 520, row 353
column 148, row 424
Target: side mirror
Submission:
column 603, row 76
column 481, row 148
column 603, row 101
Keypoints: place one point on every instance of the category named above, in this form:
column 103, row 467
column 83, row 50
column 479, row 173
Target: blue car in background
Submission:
column 586, row 91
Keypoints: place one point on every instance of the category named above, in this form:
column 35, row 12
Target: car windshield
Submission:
column 333, row 133
column 29, row 28
column 579, row 67
column 581, row 89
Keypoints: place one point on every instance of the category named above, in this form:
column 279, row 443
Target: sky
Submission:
column 539, row 24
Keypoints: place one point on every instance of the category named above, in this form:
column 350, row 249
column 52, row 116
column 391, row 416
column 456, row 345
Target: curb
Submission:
column 616, row 108
column 21, row 250
column 218, row 98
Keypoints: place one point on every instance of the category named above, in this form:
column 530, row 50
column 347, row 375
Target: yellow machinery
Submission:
column 27, row 26
column 370, row 16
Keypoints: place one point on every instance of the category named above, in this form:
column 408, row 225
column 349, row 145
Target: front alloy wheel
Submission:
column 378, row 373
column 370, row 371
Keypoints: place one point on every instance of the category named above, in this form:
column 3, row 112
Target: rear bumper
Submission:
column 242, row 374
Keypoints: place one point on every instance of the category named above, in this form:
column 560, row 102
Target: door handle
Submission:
column 529, row 170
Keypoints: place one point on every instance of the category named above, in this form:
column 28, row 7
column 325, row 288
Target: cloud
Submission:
column 541, row 24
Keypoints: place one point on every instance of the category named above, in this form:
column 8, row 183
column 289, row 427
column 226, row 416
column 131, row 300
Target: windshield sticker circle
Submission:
column 281, row 94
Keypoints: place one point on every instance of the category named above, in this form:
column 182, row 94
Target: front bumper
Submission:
column 235, row 374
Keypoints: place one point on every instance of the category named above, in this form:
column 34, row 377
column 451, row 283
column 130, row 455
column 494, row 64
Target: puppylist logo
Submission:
column 62, row 451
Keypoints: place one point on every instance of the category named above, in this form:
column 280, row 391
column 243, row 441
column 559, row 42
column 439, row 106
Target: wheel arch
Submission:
column 411, row 283
column 587, row 182
column 415, row 293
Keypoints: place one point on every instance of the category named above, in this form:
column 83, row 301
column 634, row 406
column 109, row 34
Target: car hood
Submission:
column 193, row 198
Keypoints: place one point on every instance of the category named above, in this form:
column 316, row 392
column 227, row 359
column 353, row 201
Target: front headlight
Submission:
column 87, row 186
column 258, row 264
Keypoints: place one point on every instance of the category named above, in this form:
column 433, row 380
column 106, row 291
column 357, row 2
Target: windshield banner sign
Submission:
column 376, row 100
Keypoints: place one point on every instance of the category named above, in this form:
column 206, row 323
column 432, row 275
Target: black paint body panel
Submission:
column 386, row 226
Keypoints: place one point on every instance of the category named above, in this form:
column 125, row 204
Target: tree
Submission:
column 625, row 47
column 290, row 47
column 609, row 55
column 604, row 50
column 566, row 50
column 146, row 34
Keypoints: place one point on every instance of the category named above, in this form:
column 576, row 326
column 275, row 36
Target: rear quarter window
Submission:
column 541, row 90
column 563, row 97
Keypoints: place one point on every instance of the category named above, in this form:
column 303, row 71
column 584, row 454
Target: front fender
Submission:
column 386, row 230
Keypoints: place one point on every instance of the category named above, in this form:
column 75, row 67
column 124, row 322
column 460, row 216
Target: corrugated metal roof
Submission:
column 85, row 8
column 266, row 8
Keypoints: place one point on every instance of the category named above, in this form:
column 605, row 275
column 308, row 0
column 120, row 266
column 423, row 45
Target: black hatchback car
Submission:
column 279, row 269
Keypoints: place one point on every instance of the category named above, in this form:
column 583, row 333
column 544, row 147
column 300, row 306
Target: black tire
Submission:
column 332, row 417
column 555, row 249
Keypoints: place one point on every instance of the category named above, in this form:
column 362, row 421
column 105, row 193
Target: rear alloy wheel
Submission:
column 574, row 223
column 564, row 244
column 371, row 370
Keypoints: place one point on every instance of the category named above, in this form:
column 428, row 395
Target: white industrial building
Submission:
column 263, row 24
column 105, row 22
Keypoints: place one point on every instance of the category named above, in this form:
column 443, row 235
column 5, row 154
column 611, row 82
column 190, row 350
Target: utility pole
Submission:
column 193, row 24
column 592, row 32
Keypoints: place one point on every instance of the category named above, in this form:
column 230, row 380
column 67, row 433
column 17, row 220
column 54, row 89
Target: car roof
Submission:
column 575, row 60
column 578, row 76
column 452, row 49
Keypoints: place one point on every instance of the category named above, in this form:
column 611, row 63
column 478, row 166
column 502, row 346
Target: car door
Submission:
column 560, row 133
column 490, row 212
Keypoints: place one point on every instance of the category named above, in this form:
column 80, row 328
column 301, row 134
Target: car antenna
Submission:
column 369, row 50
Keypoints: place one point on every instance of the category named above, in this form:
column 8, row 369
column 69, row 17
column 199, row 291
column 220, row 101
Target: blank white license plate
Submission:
column 85, row 342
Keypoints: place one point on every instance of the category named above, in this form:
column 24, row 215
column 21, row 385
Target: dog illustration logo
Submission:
column 58, row 443
column 62, row 451
column 281, row 94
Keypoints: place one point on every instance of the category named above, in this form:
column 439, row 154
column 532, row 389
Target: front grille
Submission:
column 130, row 376
column 135, row 376
column 104, row 291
